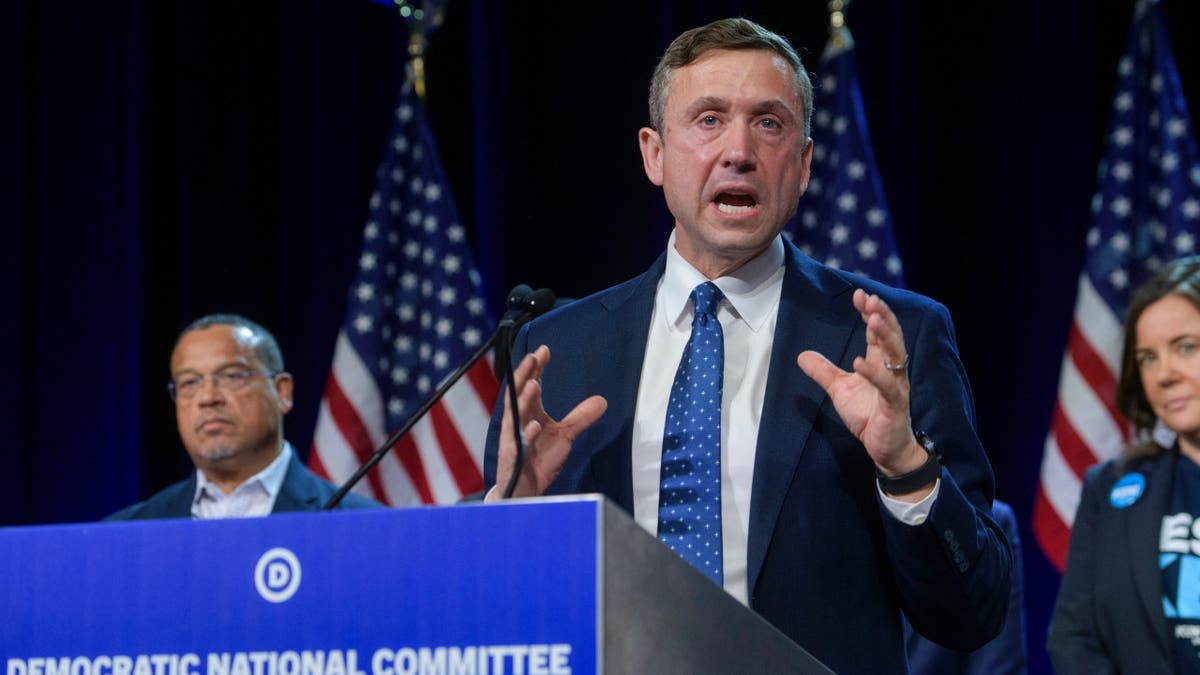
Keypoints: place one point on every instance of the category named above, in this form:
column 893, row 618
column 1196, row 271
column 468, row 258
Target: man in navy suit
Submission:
column 836, row 510
column 231, row 393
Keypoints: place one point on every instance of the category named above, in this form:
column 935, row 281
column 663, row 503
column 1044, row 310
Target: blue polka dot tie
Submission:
column 689, row 498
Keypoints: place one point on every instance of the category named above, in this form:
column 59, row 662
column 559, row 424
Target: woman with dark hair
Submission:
column 1130, row 595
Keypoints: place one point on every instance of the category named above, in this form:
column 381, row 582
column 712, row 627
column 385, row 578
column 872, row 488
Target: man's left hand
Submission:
column 873, row 401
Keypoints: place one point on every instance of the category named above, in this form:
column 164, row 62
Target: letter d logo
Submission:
column 277, row 575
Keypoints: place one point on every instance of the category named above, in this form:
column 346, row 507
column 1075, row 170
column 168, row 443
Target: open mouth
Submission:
column 733, row 203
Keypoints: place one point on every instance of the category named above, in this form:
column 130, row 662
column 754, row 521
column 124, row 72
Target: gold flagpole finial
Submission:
column 416, row 52
column 839, row 32
column 424, row 18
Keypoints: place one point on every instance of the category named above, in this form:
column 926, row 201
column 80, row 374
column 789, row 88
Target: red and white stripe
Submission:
column 439, row 461
column 1086, row 427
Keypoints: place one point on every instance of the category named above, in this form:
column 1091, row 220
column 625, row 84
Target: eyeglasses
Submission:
column 230, row 379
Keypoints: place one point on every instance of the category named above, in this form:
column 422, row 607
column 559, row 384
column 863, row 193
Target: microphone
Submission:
column 515, row 304
column 541, row 301
column 536, row 303
column 523, row 304
column 525, row 307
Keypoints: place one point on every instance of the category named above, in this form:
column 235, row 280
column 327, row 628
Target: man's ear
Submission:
column 652, row 154
column 806, row 163
column 283, row 388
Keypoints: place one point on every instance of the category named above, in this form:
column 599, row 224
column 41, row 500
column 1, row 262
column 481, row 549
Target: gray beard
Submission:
column 218, row 453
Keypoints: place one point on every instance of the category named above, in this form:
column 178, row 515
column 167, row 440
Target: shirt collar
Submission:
column 751, row 291
column 269, row 479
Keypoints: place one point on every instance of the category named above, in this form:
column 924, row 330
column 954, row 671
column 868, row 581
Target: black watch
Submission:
column 916, row 479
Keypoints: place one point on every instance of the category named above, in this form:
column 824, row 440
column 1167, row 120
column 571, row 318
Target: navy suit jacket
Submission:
column 1006, row 655
column 1109, row 614
column 826, row 564
column 302, row 490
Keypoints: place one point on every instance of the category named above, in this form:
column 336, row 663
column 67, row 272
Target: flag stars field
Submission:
column 406, row 331
column 845, row 198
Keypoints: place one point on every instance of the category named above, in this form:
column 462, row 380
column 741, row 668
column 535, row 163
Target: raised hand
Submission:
column 873, row 401
column 547, row 441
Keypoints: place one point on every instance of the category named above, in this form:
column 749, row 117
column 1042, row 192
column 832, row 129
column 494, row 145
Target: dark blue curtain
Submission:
column 162, row 160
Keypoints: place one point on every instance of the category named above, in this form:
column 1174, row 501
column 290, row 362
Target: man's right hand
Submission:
column 547, row 441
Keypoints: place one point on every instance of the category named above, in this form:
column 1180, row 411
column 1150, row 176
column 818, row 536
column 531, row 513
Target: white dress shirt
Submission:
column 255, row 497
column 747, row 317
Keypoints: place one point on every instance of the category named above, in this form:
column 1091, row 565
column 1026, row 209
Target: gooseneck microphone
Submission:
column 536, row 303
column 522, row 305
column 514, row 304
column 527, row 307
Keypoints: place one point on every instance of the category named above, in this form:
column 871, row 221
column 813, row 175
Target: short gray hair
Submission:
column 266, row 349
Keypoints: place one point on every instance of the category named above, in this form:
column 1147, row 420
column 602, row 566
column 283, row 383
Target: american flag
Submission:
column 843, row 219
column 1145, row 212
column 414, row 313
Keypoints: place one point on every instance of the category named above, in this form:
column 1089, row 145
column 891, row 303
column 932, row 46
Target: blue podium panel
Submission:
column 468, row 589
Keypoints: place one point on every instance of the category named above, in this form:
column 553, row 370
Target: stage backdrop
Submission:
column 161, row 160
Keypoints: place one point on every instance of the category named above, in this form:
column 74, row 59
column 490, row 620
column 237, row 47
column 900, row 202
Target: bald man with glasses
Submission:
column 231, row 393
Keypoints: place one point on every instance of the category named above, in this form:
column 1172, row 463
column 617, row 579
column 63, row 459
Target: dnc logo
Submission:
column 277, row 575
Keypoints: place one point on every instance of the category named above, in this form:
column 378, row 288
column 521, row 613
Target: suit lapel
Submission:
column 812, row 315
column 619, row 373
column 179, row 504
column 298, row 492
column 1144, row 525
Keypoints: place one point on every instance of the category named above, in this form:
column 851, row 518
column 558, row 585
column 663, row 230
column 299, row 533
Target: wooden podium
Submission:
column 535, row 586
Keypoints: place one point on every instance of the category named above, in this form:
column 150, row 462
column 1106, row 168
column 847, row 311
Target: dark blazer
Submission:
column 1109, row 614
column 1005, row 655
column 826, row 564
column 302, row 490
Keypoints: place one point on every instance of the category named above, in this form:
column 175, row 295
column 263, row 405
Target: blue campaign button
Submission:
column 1127, row 490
